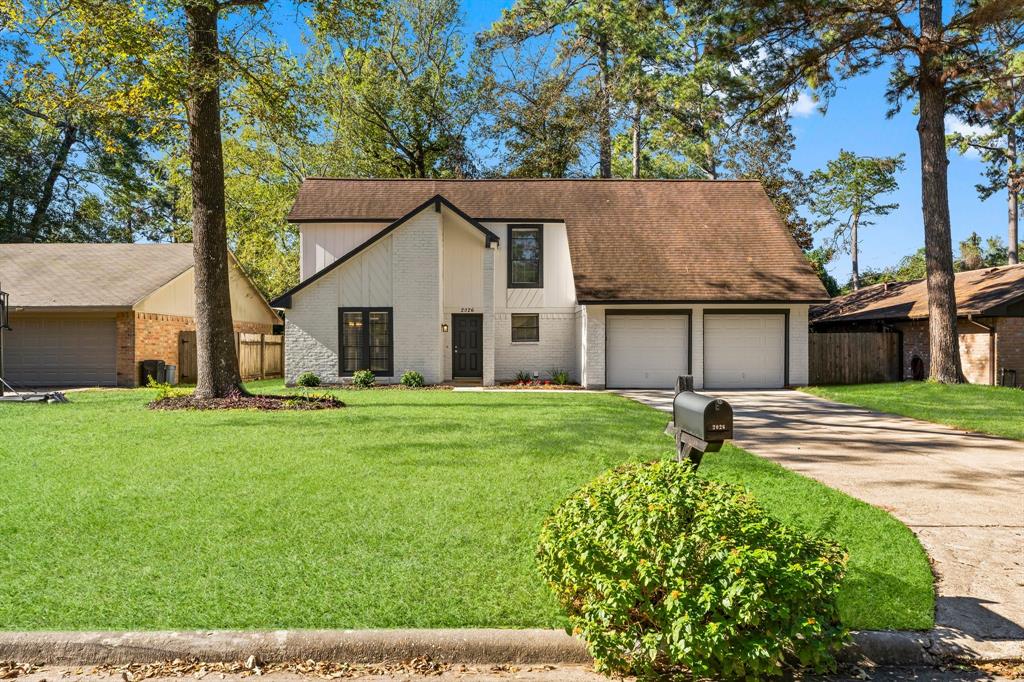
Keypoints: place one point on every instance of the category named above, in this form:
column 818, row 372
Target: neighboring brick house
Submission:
column 990, row 311
column 87, row 314
column 621, row 283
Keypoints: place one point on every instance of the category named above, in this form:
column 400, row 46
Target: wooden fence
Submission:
column 854, row 357
column 260, row 356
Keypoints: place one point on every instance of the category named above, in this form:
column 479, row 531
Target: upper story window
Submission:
column 525, row 256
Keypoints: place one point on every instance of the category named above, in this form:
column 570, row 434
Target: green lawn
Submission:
column 406, row 509
column 985, row 409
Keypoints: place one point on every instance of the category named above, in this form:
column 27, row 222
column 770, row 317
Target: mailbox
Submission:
column 700, row 423
column 703, row 417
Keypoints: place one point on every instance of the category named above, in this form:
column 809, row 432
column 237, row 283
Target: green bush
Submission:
column 412, row 379
column 164, row 391
column 669, row 575
column 308, row 379
column 523, row 377
column 364, row 378
column 559, row 377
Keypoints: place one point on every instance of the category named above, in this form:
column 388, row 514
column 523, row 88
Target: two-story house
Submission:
column 622, row 283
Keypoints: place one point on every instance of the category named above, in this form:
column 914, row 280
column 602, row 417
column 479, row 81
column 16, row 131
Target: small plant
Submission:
column 165, row 391
column 559, row 377
column 523, row 377
column 364, row 378
column 669, row 575
column 308, row 379
column 412, row 379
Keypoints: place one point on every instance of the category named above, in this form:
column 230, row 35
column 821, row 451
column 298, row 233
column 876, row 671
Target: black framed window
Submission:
column 525, row 328
column 525, row 256
column 367, row 341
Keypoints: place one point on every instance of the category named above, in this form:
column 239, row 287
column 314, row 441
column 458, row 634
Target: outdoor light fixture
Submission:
column 444, row 328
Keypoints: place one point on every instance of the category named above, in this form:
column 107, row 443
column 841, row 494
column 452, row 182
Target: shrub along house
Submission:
column 990, row 322
column 621, row 283
column 87, row 314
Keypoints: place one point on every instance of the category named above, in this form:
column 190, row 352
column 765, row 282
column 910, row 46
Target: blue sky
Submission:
column 856, row 122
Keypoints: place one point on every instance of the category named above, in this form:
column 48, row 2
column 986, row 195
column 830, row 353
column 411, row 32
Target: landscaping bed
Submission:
column 407, row 508
column 994, row 410
column 248, row 402
column 539, row 386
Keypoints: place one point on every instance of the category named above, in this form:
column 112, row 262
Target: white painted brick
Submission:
column 555, row 350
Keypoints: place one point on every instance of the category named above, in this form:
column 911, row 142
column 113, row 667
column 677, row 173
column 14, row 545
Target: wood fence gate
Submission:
column 854, row 357
column 260, row 356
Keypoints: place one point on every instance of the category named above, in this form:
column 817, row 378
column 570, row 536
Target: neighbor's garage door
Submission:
column 61, row 351
column 645, row 351
column 744, row 351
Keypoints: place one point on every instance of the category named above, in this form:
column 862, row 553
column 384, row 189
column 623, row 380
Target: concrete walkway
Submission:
column 961, row 493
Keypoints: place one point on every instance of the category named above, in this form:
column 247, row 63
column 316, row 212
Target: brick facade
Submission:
column 152, row 336
column 976, row 348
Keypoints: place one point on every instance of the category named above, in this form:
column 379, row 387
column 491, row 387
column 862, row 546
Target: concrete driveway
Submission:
column 961, row 493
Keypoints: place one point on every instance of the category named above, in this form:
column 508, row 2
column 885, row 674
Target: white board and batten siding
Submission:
column 646, row 351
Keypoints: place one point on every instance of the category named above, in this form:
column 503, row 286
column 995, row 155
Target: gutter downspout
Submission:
column 991, row 348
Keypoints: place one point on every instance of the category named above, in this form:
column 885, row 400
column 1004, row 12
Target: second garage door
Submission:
column 646, row 351
column 61, row 351
column 744, row 351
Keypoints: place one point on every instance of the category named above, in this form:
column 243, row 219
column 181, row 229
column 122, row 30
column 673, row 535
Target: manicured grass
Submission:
column 986, row 409
column 406, row 509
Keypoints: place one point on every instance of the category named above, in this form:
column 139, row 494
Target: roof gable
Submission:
column 629, row 240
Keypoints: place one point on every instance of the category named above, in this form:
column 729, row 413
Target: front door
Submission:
column 467, row 346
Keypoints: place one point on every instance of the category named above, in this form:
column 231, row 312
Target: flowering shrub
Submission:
column 667, row 574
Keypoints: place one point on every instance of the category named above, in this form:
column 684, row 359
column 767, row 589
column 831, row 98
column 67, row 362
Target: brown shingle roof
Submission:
column 88, row 275
column 629, row 240
column 977, row 292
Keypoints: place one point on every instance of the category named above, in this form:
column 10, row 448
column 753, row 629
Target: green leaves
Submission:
column 666, row 574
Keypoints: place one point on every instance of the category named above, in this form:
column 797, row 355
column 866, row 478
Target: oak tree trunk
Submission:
column 69, row 135
column 1012, row 189
column 217, row 364
column 944, row 348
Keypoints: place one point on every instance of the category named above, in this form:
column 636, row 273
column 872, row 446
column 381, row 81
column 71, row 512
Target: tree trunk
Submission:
column 944, row 348
column 604, row 122
column 217, row 363
column 636, row 144
column 1012, row 190
column 853, row 250
column 60, row 160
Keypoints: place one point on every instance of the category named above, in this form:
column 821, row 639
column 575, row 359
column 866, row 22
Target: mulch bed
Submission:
column 249, row 402
column 535, row 386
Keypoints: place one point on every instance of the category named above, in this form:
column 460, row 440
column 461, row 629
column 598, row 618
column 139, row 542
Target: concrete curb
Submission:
column 469, row 646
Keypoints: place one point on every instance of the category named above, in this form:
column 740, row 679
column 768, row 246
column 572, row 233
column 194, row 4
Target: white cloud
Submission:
column 960, row 127
column 804, row 106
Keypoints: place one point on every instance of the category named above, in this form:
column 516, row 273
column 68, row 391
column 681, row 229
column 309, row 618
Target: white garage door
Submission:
column 744, row 351
column 645, row 351
column 61, row 351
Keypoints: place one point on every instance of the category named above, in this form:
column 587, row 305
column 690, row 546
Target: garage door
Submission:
column 744, row 351
column 65, row 351
column 645, row 351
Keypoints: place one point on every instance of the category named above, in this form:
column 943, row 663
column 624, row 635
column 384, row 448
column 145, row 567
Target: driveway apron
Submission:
column 961, row 493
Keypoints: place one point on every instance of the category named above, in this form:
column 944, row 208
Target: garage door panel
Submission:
column 744, row 351
column 645, row 351
column 65, row 351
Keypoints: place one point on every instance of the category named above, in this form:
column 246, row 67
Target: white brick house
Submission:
column 619, row 283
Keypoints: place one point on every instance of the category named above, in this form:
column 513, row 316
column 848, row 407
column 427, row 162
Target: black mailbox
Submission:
column 700, row 423
column 703, row 417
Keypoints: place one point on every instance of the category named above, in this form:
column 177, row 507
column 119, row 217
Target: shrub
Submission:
column 559, row 377
column 523, row 377
column 363, row 379
column 166, row 391
column 308, row 379
column 412, row 379
column 666, row 574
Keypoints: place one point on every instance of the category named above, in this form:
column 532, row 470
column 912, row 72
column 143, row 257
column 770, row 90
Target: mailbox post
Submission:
column 700, row 423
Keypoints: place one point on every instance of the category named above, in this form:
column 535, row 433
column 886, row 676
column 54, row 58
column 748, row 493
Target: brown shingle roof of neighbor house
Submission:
column 978, row 292
column 88, row 275
column 629, row 240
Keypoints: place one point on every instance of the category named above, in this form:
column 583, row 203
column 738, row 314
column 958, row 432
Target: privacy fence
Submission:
column 260, row 356
column 854, row 357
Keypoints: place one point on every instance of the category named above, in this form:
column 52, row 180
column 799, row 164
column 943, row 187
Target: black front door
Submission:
column 467, row 346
